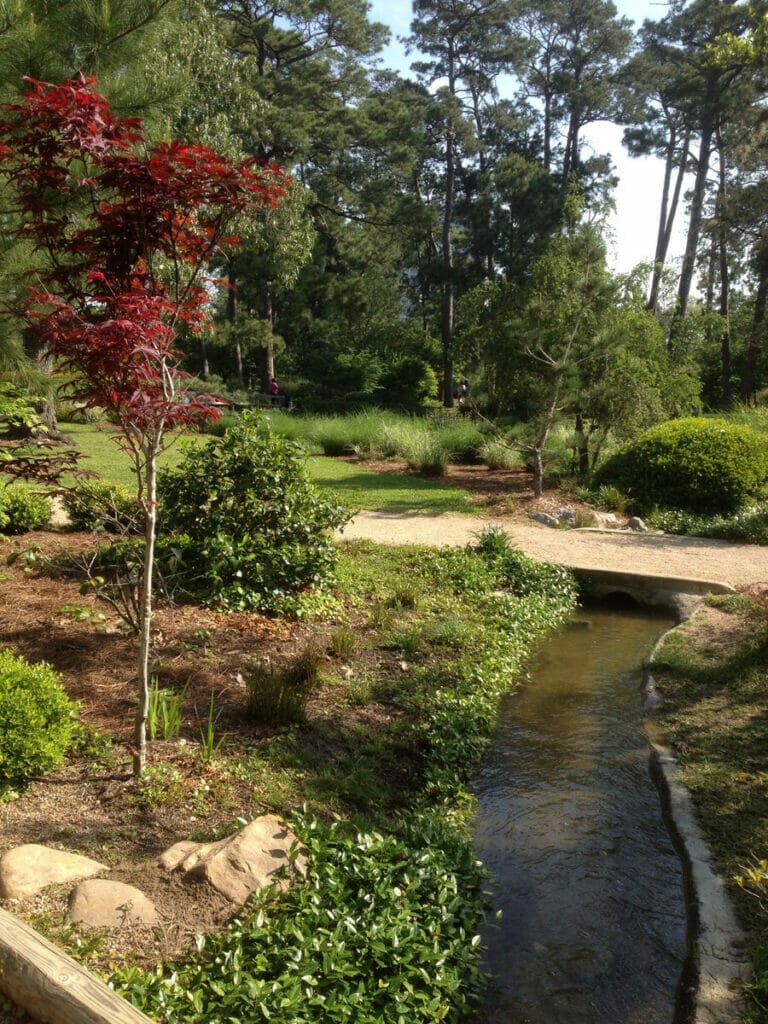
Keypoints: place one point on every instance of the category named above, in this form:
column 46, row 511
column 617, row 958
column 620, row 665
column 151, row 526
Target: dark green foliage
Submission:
column 250, row 528
column 37, row 721
column 408, row 383
column 702, row 465
column 102, row 505
column 22, row 509
column 749, row 525
column 383, row 930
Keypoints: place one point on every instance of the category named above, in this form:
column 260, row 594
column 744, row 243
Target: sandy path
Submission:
column 656, row 554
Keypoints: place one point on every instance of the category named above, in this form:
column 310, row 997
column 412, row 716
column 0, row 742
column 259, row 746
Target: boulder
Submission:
column 637, row 524
column 27, row 869
column 604, row 520
column 565, row 515
column 101, row 903
column 545, row 518
column 240, row 864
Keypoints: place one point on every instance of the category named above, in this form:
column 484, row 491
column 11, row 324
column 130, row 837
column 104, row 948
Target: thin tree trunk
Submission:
column 725, row 311
column 582, row 445
column 449, row 286
column 145, row 609
column 232, row 318
column 697, row 206
column 757, row 330
column 667, row 216
column 268, row 352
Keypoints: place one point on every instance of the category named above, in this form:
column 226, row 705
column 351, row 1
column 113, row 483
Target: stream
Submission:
column 569, row 824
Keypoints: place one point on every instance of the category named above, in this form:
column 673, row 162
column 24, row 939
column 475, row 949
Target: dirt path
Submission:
column 655, row 554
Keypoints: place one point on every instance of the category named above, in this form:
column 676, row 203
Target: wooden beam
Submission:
column 51, row 986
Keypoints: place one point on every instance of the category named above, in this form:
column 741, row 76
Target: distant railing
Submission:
column 259, row 401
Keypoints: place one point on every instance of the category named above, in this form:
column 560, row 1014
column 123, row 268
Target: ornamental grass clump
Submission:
column 278, row 694
column 37, row 721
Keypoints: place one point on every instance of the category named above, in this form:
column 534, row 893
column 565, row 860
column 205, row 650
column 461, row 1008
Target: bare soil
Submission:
column 92, row 805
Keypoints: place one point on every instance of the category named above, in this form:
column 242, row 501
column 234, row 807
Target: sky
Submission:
column 638, row 193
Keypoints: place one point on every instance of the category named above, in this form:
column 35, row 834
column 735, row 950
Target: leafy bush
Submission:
column 37, row 721
column 702, row 465
column 22, row 509
column 102, row 505
column 409, row 383
column 748, row 525
column 244, row 508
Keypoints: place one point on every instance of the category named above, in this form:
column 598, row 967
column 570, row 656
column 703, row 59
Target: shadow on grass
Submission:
column 388, row 492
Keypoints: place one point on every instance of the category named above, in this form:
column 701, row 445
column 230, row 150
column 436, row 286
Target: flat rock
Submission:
column 545, row 518
column 27, row 869
column 238, row 865
column 101, row 903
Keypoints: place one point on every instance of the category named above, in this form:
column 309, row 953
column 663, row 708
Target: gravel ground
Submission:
column 651, row 553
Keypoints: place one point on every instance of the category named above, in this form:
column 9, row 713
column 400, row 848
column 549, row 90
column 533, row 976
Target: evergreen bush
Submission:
column 37, row 721
column 102, row 505
column 22, row 509
column 244, row 509
column 701, row 465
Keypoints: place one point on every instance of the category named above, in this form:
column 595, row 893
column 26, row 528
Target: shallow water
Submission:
column 569, row 823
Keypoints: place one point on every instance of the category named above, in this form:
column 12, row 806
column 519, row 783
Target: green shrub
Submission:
column 702, row 465
column 37, row 721
column 243, row 507
column 22, row 509
column 102, row 505
column 748, row 525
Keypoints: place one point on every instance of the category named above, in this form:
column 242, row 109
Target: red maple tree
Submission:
column 124, row 232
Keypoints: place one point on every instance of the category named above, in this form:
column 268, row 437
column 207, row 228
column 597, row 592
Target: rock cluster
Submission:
column 265, row 852
column 566, row 516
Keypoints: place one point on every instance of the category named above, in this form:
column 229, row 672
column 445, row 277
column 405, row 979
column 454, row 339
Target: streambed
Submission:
column 569, row 823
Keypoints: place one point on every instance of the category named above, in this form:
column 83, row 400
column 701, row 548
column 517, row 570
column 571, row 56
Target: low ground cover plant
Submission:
column 386, row 927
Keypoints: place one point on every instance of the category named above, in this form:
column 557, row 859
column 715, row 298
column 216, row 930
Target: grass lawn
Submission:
column 357, row 487
column 713, row 682
column 386, row 492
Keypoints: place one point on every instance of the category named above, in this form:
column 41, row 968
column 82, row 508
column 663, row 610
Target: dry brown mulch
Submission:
column 92, row 805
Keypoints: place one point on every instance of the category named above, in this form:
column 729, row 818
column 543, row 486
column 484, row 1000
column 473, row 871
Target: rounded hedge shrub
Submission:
column 249, row 527
column 37, row 721
column 102, row 505
column 704, row 465
column 22, row 509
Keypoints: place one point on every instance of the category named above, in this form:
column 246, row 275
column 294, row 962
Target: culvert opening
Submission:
column 619, row 600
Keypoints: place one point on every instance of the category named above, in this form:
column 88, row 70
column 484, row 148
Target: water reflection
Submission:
column 569, row 823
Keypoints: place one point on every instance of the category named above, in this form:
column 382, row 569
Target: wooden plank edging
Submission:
column 51, row 986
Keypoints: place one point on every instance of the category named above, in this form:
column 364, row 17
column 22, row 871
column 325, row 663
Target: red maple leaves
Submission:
column 124, row 231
